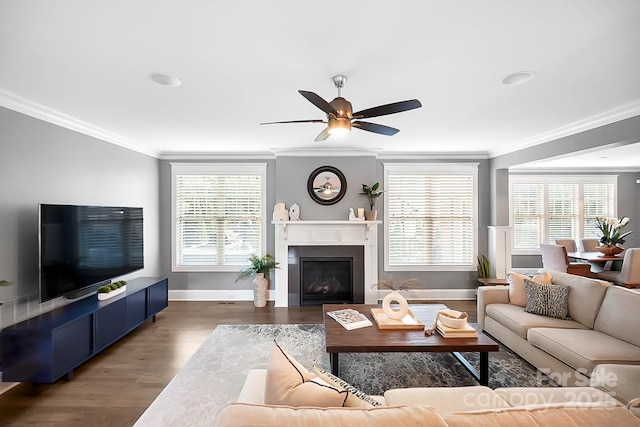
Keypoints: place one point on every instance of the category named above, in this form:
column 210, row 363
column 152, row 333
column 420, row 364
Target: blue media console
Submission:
column 50, row 346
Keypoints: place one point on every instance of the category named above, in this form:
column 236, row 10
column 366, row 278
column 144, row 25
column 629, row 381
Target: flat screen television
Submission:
column 83, row 247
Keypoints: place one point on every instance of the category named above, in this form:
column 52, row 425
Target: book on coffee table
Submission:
column 466, row 332
column 350, row 318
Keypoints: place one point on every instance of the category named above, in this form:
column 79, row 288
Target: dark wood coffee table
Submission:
column 372, row 339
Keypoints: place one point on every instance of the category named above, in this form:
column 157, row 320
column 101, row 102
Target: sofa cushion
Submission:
column 620, row 381
column 619, row 315
column 527, row 396
column 447, row 400
column 356, row 397
column 547, row 300
column 566, row 414
column 583, row 349
column 242, row 414
column 585, row 295
column 517, row 293
column 289, row 383
column 515, row 319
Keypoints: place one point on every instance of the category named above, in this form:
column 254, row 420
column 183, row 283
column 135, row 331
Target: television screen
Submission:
column 84, row 246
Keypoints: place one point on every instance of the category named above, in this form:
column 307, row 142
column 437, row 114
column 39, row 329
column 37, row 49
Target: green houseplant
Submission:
column 259, row 268
column 372, row 194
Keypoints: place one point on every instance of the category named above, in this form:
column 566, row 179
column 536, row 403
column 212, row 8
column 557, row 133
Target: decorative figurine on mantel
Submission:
column 280, row 213
column 353, row 217
column 294, row 212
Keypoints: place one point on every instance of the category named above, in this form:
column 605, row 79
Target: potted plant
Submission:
column 259, row 268
column 612, row 237
column 372, row 194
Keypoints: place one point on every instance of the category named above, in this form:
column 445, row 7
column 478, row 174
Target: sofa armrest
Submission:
column 253, row 388
column 490, row 295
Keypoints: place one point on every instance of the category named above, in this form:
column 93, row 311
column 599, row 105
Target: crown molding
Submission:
column 239, row 155
column 324, row 152
column 30, row 108
column 585, row 170
column 611, row 116
column 420, row 155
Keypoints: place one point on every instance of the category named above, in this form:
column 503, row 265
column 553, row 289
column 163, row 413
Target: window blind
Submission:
column 219, row 218
column 546, row 208
column 430, row 219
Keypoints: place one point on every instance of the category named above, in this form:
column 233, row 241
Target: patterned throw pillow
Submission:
column 547, row 300
column 356, row 398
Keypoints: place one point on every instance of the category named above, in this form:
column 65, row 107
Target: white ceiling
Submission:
column 84, row 64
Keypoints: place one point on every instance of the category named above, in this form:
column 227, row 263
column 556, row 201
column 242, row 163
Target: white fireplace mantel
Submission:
column 326, row 233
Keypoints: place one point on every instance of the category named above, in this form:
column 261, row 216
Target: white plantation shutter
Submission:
column 546, row 208
column 219, row 215
column 528, row 214
column 599, row 200
column 430, row 216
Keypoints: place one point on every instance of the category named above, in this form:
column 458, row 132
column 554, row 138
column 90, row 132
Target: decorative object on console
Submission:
column 280, row 212
column 612, row 237
column 484, row 268
column 259, row 269
column 326, row 185
column 372, row 194
column 294, row 212
column 112, row 290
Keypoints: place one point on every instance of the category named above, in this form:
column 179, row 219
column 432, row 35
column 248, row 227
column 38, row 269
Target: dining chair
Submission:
column 569, row 244
column 589, row 245
column 554, row 257
column 629, row 274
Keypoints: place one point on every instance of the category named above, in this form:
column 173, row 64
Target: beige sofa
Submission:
column 454, row 406
column 602, row 329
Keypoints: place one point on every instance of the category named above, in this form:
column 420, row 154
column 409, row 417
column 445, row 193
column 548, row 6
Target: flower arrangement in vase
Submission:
column 612, row 237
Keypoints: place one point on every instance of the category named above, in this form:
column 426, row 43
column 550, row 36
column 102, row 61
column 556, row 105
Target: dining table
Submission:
column 598, row 260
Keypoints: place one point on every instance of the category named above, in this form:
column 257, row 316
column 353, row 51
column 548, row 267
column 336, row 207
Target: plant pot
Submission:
column 610, row 250
column 371, row 215
column 260, row 290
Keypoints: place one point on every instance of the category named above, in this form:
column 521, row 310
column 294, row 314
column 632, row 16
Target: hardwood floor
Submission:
column 115, row 387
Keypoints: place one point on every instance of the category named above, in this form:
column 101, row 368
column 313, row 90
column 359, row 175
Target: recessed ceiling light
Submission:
column 165, row 79
column 517, row 78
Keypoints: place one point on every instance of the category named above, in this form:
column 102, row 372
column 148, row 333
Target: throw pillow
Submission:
column 547, row 300
column 517, row 294
column 357, row 398
column 289, row 383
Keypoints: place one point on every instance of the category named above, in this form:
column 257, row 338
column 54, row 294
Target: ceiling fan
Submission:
column 340, row 117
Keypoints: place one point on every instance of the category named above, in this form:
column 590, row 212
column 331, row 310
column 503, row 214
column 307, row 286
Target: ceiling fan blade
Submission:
column 319, row 102
column 296, row 121
column 375, row 128
column 383, row 110
column 323, row 135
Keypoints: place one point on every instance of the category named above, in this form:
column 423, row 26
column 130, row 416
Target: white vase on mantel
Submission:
column 260, row 290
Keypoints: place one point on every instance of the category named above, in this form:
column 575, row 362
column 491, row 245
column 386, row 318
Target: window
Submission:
column 431, row 213
column 546, row 208
column 218, row 215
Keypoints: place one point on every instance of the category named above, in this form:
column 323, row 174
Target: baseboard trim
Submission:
column 247, row 295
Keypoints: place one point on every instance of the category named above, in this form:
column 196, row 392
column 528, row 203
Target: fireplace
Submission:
column 325, row 274
column 325, row 280
column 359, row 238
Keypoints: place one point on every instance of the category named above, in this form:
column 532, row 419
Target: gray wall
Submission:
column 287, row 178
column 44, row 163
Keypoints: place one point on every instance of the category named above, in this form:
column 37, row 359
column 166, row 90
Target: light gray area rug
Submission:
column 214, row 375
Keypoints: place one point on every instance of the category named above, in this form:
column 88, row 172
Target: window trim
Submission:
column 216, row 169
column 545, row 180
column 427, row 169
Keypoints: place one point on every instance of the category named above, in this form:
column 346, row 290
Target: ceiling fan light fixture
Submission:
column 339, row 126
column 165, row 79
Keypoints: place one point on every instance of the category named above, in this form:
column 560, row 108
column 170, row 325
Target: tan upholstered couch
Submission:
column 603, row 329
column 455, row 406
